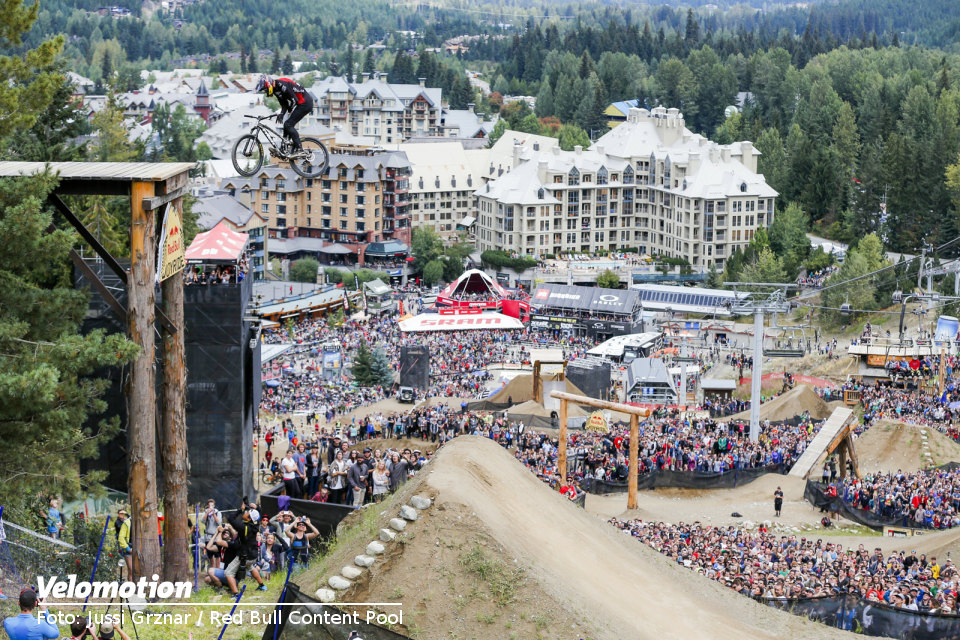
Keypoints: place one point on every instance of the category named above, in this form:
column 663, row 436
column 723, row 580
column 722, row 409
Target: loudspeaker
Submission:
column 415, row 367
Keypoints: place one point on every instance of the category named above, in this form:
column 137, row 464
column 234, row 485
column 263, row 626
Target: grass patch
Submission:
column 501, row 580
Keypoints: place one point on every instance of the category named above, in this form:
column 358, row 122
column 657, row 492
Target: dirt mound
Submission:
column 792, row 403
column 889, row 445
column 520, row 389
column 500, row 555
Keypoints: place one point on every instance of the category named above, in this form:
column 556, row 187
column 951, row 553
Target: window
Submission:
column 265, row 208
column 361, row 226
column 281, row 183
column 309, row 223
column 266, row 195
column 343, row 211
column 281, row 209
column 360, row 213
column 343, row 198
column 344, row 186
column 281, row 196
column 360, row 199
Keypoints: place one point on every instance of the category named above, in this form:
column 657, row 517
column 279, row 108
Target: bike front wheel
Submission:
column 247, row 155
column 314, row 161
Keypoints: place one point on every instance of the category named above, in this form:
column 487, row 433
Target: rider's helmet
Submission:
column 265, row 85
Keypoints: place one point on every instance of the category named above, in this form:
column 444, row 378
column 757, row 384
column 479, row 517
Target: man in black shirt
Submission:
column 246, row 526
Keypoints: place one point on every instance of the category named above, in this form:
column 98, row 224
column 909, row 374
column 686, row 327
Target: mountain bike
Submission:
column 248, row 154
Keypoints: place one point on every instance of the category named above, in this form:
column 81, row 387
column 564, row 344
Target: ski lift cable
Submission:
column 873, row 273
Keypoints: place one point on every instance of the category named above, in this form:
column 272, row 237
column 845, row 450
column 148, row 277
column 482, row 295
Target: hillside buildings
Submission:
column 361, row 200
column 649, row 184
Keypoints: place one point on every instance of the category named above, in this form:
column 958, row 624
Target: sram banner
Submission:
column 459, row 322
column 171, row 250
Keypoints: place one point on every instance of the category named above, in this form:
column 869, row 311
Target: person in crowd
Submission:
column 300, row 539
column 28, row 626
column 291, row 474
column 124, row 542
column 778, row 501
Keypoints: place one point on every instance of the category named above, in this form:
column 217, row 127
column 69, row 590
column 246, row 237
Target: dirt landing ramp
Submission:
column 617, row 585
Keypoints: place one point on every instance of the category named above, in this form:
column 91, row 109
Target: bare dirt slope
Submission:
column 615, row 586
column 754, row 502
column 890, row 445
column 794, row 402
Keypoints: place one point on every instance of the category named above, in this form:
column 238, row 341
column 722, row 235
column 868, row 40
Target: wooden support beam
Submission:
column 173, row 432
column 101, row 251
column 642, row 412
column 154, row 203
column 101, row 288
column 90, row 239
column 635, row 414
column 562, row 453
column 141, row 396
column 634, row 455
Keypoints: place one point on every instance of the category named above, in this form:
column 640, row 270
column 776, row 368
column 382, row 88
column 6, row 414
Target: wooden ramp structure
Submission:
column 835, row 435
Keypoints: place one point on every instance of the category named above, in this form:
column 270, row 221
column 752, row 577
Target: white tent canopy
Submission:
column 459, row 322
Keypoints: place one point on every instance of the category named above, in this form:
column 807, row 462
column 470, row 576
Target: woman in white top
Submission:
column 337, row 478
column 290, row 472
column 381, row 481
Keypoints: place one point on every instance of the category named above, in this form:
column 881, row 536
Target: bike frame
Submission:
column 272, row 136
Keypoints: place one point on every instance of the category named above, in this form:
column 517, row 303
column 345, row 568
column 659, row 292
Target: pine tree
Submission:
column 381, row 373
column 348, row 63
column 275, row 63
column 368, row 62
column 287, row 65
column 692, row 32
column 362, row 366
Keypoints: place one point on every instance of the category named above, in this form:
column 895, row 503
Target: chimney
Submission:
column 725, row 154
column 423, row 82
column 578, row 149
column 516, row 153
column 382, row 77
column 748, row 157
column 599, row 149
column 542, row 171
column 365, row 75
column 536, row 146
column 470, row 107
column 693, row 163
column 556, row 150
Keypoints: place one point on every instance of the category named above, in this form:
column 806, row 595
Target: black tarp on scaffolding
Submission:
column 223, row 388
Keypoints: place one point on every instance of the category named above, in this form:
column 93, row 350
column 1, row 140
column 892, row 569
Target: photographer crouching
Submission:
column 239, row 537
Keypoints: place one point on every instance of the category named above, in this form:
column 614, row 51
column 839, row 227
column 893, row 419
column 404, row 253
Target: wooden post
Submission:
column 843, row 459
column 142, row 400
column 634, row 454
column 173, row 434
column 562, row 455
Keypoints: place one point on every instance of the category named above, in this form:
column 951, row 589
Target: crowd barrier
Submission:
column 325, row 516
column 815, row 494
column 853, row 613
column 684, row 480
column 298, row 607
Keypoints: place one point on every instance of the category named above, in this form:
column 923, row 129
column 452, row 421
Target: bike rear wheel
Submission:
column 247, row 155
column 316, row 163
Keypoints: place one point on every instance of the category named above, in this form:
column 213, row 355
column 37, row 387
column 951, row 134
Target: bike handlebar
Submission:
column 272, row 115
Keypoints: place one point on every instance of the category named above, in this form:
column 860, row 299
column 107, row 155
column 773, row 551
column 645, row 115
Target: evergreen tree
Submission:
column 286, row 67
column 362, row 368
column 368, row 61
column 381, row 373
column 348, row 63
column 304, row 270
column 692, row 31
column 788, row 238
column 565, row 100
column 587, row 67
column 544, row 105
column 275, row 63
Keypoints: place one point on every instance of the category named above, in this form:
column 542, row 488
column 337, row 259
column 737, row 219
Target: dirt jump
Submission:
column 792, row 403
column 891, row 445
column 501, row 555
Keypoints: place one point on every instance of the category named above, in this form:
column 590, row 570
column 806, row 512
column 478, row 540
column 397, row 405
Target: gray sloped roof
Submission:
column 221, row 207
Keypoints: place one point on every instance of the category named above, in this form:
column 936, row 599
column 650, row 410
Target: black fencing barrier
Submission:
column 684, row 480
column 816, row 494
column 302, row 618
column 325, row 516
column 853, row 613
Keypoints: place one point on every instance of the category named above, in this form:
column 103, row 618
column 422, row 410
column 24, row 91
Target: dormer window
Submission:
column 602, row 175
column 743, row 187
column 573, row 177
column 540, row 193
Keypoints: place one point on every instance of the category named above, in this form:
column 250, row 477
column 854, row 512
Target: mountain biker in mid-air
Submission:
column 294, row 99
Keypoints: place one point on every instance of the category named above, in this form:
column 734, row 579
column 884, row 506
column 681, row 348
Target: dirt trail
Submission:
column 621, row 587
column 890, row 445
